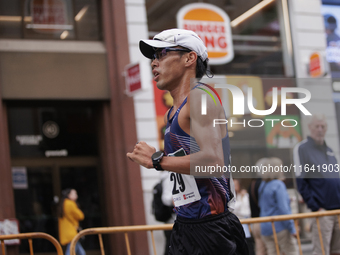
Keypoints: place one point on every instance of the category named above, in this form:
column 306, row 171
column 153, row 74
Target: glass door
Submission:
column 84, row 180
column 35, row 208
column 36, row 201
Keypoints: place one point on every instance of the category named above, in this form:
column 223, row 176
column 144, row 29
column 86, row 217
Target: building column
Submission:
column 7, row 207
column 122, row 179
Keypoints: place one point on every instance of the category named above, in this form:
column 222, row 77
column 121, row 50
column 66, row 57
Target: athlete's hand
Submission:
column 142, row 154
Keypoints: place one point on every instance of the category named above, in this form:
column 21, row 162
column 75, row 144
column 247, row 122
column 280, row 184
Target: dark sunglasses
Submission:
column 161, row 53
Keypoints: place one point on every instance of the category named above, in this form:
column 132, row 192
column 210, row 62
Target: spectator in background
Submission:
column 333, row 42
column 242, row 211
column 69, row 217
column 331, row 26
column 242, row 208
column 274, row 200
column 320, row 190
column 260, row 247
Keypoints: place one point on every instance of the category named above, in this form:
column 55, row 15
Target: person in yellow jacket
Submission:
column 69, row 217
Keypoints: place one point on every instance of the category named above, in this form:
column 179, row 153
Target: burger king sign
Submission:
column 212, row 24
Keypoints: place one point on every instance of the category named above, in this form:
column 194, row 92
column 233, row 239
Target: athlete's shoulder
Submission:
column 204, row 93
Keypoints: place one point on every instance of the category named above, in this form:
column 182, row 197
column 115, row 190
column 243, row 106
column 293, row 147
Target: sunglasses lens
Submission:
column 159, row 54
column 162, row 53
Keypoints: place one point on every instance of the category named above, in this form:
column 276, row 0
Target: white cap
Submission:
column 171, row 38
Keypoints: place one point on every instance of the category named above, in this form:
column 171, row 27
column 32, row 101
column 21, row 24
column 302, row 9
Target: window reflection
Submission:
column 257, row 46
column 50, row 19
column 257, row 40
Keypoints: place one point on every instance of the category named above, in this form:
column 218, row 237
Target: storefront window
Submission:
column 330, row 10
column 52, row 19
column 10, row 19
column 257, row 46
column 52, row 131
column 331, row 14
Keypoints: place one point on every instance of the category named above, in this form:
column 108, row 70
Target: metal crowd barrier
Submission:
column 151, row 228
column 294, row 217
column 124, row 229
column 31, row 236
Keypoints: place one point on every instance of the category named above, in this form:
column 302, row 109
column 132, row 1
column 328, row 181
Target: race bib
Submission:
column 185, row 190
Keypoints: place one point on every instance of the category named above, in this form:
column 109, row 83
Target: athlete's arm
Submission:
column 142, row 155
column 208, row 137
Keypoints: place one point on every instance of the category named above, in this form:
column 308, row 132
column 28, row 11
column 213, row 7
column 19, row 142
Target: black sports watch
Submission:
column 156, row 159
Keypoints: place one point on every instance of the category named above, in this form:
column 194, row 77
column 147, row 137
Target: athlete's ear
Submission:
column 191, row 58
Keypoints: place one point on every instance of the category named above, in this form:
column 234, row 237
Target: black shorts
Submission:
column 213, row 235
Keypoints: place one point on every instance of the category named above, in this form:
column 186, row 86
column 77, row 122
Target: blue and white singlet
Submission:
column 214, row 192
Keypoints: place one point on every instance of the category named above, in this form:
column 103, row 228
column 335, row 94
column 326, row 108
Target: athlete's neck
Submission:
column 181, row 91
